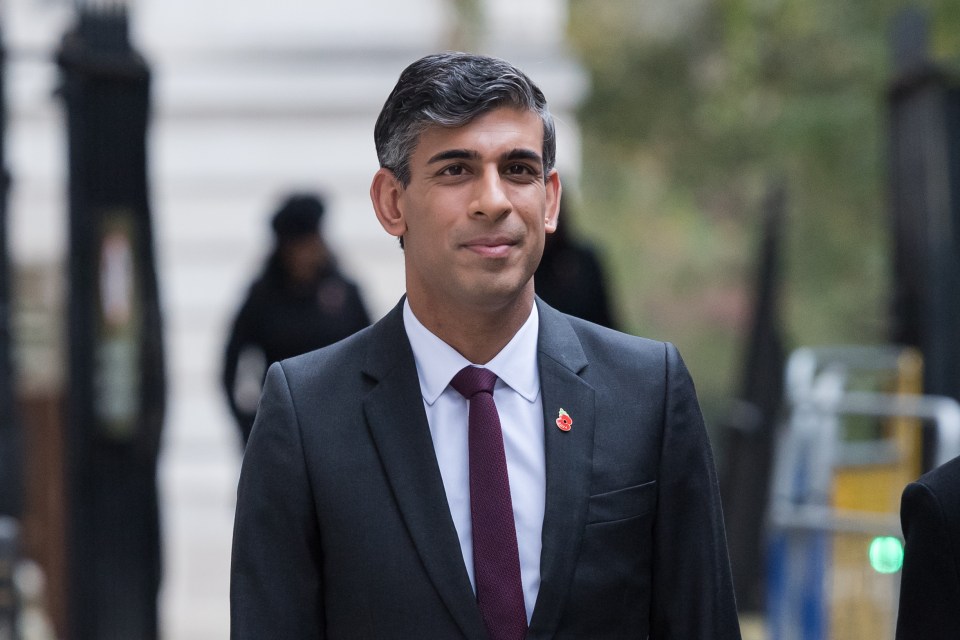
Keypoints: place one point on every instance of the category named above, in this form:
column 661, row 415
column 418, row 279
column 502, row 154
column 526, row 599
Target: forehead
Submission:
column 504, row 128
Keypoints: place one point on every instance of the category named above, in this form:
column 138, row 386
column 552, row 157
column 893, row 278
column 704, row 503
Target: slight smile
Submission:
column 493, row 247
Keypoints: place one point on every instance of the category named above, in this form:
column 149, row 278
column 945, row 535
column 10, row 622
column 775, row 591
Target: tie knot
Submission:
column 471, row 380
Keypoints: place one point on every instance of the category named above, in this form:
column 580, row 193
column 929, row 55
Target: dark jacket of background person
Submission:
column 284, row 315
column 571, row 279
column 930, row 585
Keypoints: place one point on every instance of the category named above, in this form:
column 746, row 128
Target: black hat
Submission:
column 298, row 216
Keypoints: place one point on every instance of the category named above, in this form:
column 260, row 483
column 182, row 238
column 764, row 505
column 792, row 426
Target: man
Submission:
column 930, row 585
column 373, row 502
column 300, row 302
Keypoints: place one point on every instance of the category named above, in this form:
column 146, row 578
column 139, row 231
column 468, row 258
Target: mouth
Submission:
column 491, row 246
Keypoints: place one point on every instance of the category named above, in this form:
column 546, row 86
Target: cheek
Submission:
column 427, row 216
column 532, row 205
column 424, row 246
column 536, row 251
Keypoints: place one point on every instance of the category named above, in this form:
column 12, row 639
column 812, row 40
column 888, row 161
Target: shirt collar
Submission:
column 437, row 362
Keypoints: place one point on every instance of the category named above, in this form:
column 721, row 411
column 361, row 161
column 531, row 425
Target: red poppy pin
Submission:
column 564, row 421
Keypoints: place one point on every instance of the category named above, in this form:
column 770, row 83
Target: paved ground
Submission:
column 198, row 476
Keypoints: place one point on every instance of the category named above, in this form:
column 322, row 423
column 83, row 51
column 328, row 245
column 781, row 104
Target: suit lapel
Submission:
column 569, row 458
column 398, row 426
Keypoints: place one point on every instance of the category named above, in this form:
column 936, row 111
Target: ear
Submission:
column 385, row 194
column 552, row 212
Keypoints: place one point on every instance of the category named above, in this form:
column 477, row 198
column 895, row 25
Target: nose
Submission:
column 491, row 199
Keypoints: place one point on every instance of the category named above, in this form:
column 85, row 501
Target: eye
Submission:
column 521, row 170
column 452, row 170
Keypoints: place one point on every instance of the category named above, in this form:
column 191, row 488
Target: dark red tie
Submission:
column 496, row 560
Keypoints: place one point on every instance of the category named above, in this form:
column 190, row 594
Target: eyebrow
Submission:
column 454, row 154
column 467, row 154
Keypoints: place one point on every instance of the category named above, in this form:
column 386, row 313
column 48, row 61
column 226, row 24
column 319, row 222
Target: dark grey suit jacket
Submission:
column 343, row 529
column 930, row 584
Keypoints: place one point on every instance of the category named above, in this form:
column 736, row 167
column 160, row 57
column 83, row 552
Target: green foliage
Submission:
column 696, row 108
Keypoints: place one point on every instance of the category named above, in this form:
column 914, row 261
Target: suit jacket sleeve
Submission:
column 692, row 586
column 275, row 583
column 930, row 584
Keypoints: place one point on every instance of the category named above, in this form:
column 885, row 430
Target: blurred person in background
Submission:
column 930, row 584
column 300, row 302
column 570, row 277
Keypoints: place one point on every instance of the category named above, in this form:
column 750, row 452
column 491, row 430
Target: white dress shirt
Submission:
column 517, row 396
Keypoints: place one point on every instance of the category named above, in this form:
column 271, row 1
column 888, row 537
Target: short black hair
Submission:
column 298, row 215
column 449, row 90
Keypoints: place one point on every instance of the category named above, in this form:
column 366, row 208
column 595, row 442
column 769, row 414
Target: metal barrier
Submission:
column 843, row 458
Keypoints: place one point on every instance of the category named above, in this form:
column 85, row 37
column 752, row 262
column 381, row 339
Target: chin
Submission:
column 500, row 294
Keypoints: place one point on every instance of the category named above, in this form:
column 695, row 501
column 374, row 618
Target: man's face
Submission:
column 474, row 214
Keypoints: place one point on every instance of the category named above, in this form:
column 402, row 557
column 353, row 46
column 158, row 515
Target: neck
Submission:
column 478, row 334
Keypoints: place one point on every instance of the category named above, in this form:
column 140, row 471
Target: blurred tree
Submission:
column 696, row 105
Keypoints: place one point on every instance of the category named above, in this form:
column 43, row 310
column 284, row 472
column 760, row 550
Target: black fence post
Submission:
column 11, row 485
column 924, row 111
column 115, row 400
column 11, row 437
column 748, row 443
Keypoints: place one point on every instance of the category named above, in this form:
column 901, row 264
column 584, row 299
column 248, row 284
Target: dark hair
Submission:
column 298, row 215
column 449, row 90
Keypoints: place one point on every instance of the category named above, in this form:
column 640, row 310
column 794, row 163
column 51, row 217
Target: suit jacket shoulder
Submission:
column 631, row 489
column 944, row 482
column 930, row 583
column 342, row 526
